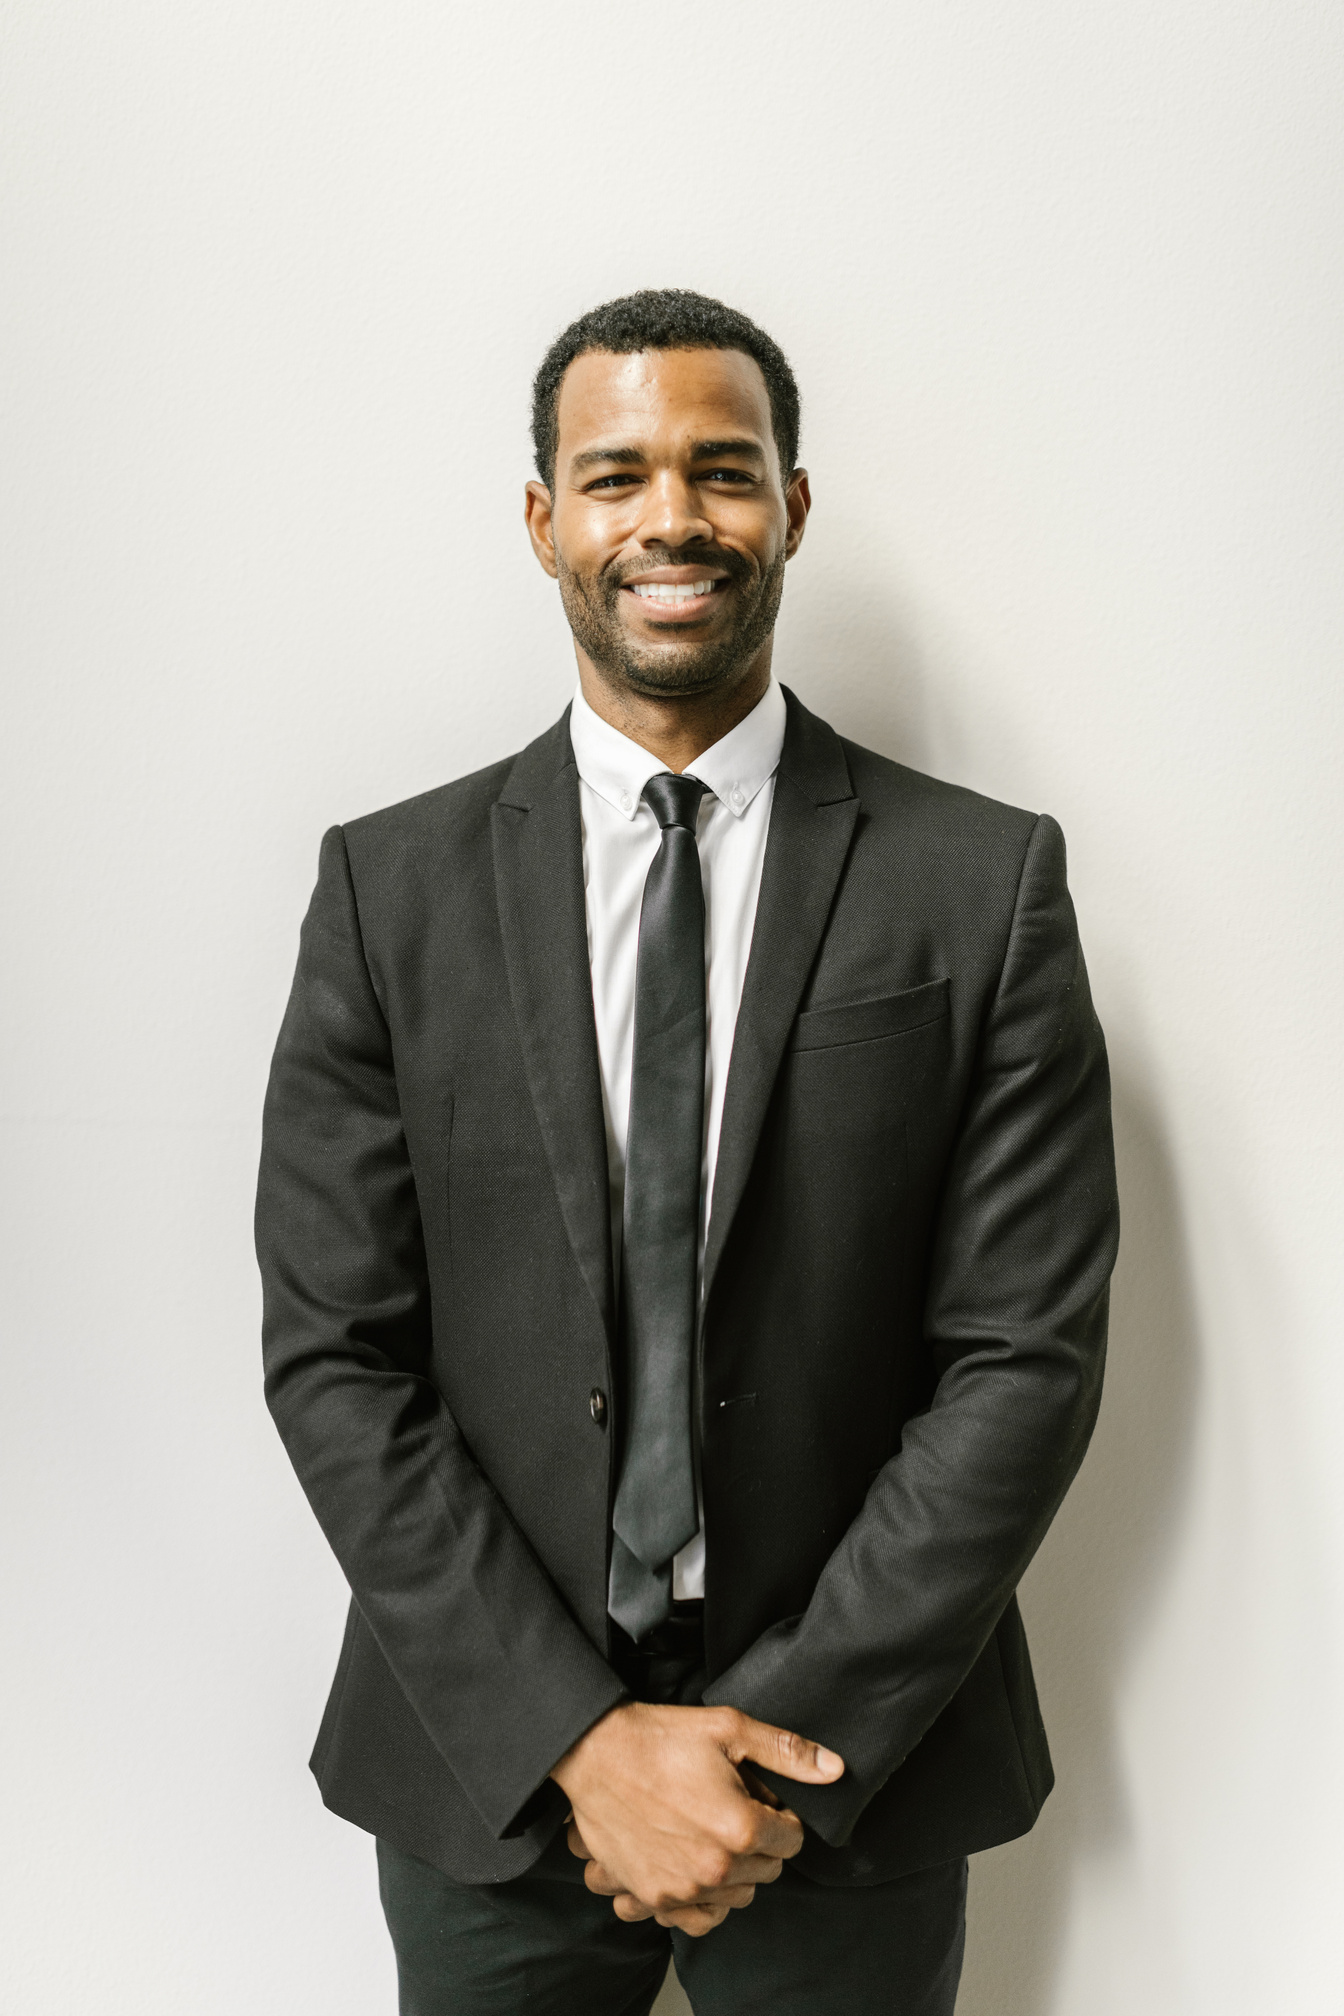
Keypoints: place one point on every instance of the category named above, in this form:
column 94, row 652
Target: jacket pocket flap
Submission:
column 861, row 1021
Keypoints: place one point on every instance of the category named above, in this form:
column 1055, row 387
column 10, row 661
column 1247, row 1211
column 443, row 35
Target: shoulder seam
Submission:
column 359, row 931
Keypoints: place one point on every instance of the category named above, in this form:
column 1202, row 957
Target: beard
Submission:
column 592, row 608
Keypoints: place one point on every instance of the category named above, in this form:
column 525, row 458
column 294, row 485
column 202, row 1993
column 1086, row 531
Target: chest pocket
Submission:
column 866, row 1021
column 863, row 1072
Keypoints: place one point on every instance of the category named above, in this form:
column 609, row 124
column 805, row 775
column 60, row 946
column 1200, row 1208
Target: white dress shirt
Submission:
column 620, row 838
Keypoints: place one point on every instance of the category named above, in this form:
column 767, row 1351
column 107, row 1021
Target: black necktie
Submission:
column 655, row 1514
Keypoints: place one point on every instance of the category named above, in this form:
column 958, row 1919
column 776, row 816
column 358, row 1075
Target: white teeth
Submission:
column 667, row 591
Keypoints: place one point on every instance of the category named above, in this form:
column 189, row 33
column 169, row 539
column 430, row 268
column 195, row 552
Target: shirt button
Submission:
column 627, row 802
column 597, row 1406
column 736, row 798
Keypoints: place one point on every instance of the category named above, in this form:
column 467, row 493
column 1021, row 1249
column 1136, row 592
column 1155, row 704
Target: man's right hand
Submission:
column 665, row 1818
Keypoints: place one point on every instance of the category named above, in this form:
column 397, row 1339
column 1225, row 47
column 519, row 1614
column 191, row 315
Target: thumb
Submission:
column 780, row 1750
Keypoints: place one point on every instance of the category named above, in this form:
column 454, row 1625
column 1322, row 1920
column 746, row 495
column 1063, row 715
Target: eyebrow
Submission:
column 704, row 449
column 592, row 456
column 701, row 451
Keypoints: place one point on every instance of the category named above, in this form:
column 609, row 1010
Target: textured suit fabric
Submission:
column 544, row 1944
column 903, row 1327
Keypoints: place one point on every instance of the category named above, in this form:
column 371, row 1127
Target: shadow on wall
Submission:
column 1088, row 1596
column 857, row 664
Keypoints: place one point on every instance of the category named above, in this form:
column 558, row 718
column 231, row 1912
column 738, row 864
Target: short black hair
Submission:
column 664, row 318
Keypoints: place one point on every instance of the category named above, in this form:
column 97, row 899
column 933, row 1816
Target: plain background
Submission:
column 1061, row 284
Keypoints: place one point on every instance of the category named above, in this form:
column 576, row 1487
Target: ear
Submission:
column 537, row 512
column 797, row 503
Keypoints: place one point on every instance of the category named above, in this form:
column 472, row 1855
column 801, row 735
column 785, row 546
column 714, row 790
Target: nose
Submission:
column 673, row 514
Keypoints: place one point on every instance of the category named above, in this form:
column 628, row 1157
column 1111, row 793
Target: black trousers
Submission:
column 543, row 1943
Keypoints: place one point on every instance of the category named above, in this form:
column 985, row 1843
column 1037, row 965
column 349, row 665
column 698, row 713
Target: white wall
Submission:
column 1062, row 287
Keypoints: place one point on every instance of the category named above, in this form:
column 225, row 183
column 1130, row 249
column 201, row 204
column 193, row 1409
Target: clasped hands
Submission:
column 668, row 1816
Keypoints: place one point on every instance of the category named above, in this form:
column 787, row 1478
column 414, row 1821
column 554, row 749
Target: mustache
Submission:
column 616, row 576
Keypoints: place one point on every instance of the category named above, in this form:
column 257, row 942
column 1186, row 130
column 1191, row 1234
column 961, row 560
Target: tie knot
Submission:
column 675, row 800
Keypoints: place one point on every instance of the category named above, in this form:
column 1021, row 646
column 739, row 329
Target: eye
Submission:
column 727, row 476
column 617, row 482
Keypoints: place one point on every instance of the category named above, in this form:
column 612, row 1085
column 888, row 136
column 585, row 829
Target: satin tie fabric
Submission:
column 656, row 1513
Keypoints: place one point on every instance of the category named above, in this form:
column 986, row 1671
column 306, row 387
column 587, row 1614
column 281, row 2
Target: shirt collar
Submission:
column 734, row 768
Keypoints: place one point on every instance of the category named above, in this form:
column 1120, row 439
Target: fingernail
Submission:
column 828, row 1762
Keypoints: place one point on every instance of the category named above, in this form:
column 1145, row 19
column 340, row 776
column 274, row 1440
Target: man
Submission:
column 686, row 1214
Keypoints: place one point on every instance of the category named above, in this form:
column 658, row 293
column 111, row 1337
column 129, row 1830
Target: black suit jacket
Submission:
column 914, row 1223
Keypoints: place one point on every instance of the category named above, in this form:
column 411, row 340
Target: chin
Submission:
column 672, row 681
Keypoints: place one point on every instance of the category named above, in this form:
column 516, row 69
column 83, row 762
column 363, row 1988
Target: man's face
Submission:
column 669, row 525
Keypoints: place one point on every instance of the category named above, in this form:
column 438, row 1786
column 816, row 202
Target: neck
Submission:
column 680, row 727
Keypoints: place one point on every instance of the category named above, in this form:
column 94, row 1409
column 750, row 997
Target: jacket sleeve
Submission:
column 1015, row 1320
column 482, row 1644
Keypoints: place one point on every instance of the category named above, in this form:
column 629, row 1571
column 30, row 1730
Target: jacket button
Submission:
column 597, row 1405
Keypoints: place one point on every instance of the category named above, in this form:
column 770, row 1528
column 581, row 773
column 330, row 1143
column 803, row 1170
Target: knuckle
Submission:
column 714, row 1869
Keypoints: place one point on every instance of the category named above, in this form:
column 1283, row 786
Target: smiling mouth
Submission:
column 672, row 592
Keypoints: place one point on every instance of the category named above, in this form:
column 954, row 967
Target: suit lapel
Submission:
column 538, row 852
column 811, row 824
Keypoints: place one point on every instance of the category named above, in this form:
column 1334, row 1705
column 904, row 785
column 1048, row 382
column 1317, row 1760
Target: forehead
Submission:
column 660, row 396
